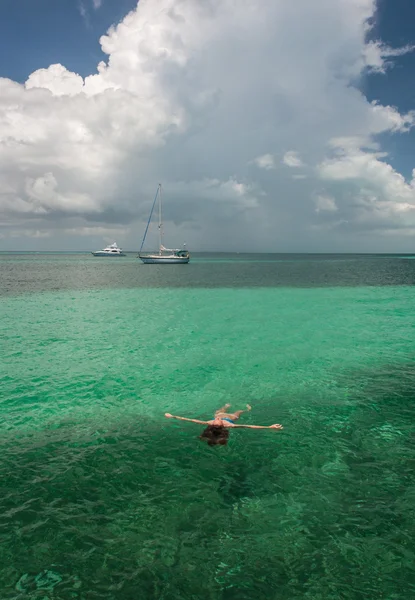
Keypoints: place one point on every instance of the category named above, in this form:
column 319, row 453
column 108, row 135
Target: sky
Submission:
column 273, row 126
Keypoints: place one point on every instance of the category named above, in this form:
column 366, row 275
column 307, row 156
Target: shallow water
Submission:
column 104, row 498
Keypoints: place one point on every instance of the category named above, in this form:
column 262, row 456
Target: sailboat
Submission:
column 164, row 255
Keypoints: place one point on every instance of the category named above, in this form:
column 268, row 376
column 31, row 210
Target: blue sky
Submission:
column 395, row 26
column 260, row 141
column 37, row 33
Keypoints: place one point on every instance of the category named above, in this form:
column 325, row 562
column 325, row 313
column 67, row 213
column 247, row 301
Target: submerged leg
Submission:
column 238, row 413
column 222, row 411
column 232, row 416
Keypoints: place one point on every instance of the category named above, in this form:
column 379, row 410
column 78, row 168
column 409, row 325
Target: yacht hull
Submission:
column 111, row 254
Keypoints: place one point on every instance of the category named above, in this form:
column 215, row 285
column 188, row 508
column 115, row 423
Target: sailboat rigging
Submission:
column 164, row 255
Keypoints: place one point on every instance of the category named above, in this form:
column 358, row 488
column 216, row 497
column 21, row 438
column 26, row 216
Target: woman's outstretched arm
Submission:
column 169, row 416
column 276, row 426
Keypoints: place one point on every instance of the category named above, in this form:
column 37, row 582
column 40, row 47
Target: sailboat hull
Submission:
column 164, row 260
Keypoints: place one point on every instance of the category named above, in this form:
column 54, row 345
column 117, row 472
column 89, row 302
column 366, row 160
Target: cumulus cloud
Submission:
column 266, row 161
column 57, row 80
column 203, row 97
column 292, row 159
column 376, row 195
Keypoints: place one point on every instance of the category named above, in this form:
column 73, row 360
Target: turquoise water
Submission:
column 102, row 497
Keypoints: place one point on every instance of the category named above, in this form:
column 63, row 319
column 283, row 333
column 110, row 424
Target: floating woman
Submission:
column 217, row 430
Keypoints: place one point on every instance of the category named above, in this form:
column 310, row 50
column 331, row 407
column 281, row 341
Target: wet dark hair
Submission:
column 215, row 434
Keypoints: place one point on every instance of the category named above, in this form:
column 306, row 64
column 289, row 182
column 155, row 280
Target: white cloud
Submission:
column 189, row 93
column 266, row 161
column 291, row 159
column 325, row 203
column 372, row 191
column 376, row 54
column 387, row 118
column 97, row 4
column 45, row 197
column 56, row 79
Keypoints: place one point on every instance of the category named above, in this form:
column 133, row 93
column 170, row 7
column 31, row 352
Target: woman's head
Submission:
column 215, row 434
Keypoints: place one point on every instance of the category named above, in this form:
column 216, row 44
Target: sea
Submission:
column 102, row 497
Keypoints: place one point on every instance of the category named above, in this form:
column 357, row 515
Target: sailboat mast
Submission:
column 160, row 221
column 149, row 218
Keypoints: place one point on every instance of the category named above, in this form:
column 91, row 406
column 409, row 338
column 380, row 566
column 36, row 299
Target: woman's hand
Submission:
column 276, row 426
column 168, row 415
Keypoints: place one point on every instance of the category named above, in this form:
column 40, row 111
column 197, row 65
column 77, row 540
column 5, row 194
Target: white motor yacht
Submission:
column 112, row 250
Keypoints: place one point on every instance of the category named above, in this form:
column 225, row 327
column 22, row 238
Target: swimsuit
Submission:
column 224, row 419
